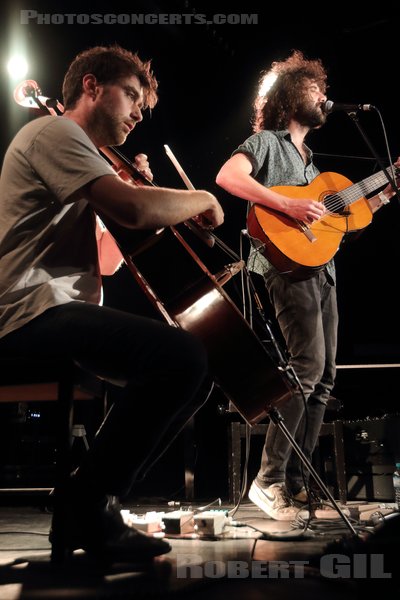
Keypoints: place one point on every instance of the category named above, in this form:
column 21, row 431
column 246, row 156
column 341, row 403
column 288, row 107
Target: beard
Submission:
column 108, row 126
column 310, row 115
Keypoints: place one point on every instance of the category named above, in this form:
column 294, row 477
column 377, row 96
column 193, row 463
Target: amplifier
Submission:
column 372, row 448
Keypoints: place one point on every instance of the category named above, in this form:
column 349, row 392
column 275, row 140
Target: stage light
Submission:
column 17, row 67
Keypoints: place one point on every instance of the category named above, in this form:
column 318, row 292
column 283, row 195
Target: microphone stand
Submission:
column 354, row 117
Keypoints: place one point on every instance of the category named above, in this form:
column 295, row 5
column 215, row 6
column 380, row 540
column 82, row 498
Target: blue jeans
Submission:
column 161, row 369
column 308, row 318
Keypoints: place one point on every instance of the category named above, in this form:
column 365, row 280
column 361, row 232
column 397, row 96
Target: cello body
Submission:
column 188, row 295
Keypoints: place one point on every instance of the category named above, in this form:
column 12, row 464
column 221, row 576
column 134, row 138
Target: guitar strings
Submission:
column 343, row 198
column 339, row 200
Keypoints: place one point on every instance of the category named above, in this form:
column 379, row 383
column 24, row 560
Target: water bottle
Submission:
column 396, row 485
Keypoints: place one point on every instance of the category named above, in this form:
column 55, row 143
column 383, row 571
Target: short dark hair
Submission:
column 108, row 64
column 274, row 109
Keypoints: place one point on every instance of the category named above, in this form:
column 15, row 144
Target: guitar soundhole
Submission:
column 335, row 204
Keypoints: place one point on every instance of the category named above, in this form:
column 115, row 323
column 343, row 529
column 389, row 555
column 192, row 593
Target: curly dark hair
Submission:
column 108, row 64
column 275, row 109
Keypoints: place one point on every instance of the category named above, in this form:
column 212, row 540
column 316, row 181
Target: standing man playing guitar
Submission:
column 304, row 303
column 51, row 256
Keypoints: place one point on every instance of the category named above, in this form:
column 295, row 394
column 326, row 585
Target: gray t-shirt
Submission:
column 48, row 250
column 276, row 161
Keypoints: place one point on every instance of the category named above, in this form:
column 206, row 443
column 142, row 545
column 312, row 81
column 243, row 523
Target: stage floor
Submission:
column 325, row 562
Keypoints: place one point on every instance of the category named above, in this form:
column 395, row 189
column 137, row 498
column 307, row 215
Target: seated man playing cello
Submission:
column 52, row 183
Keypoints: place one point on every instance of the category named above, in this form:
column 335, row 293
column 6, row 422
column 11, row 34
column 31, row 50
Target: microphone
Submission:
column 329, row 106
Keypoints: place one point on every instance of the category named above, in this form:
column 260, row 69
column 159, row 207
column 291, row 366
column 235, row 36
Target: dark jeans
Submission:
column 307, row 315
column 161, row 368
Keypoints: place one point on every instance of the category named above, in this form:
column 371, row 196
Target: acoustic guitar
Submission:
column 299, row 249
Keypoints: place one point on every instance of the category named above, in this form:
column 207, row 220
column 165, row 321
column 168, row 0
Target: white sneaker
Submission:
column 273, row 500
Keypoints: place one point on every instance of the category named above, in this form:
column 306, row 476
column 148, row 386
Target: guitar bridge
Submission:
column 307, row 232
column 309, row 235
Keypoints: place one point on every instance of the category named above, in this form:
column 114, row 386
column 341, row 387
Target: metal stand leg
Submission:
column 234, row 460
column 277, row 418
column 190, row 458
column 334, row 429
column 338, row 443
column 63, row 467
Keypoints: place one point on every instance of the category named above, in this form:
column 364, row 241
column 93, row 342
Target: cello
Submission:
column 190, row 296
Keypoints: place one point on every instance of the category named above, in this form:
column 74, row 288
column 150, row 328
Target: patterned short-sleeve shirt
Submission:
column 276, row 161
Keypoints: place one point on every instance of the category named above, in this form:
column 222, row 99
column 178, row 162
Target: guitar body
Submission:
column 300, row 250
column 187, row 295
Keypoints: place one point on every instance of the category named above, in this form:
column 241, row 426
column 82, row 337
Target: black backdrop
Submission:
column 208, row 75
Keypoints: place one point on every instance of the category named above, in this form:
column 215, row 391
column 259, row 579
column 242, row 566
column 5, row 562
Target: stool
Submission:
column 23, row 380
column 237, row 431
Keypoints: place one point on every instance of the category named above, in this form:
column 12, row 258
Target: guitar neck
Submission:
column 366, row 186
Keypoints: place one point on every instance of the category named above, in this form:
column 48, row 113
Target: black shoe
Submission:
column 100, row 531
column 305, row 497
